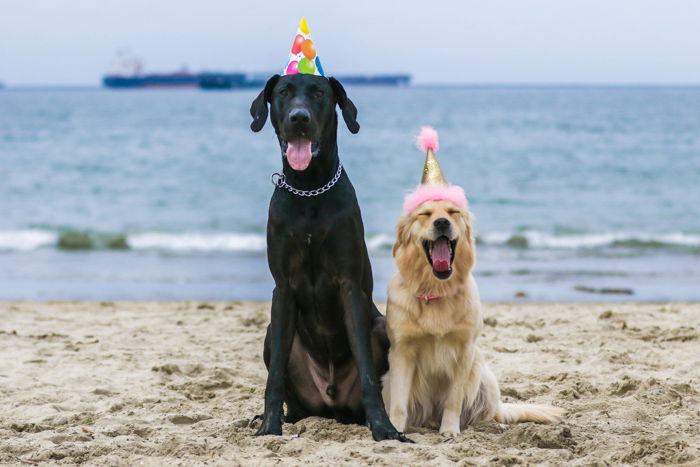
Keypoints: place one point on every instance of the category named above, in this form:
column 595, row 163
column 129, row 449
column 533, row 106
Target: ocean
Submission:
column 156, row 194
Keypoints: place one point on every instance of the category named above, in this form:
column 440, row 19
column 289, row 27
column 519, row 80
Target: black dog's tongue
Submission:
column 441, row 255
column 299, row 154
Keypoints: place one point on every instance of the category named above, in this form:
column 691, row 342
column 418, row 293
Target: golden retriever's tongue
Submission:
column 441, row 255
column 299, row 154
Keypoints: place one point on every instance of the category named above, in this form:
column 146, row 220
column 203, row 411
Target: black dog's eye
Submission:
column 319, row 93
column 284, row 92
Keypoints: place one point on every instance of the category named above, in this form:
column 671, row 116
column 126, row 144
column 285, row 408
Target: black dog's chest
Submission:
column 309, row 262
column 307, row 241
column 299, row 234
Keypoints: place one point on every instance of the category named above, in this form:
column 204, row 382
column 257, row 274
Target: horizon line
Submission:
column 515, row 84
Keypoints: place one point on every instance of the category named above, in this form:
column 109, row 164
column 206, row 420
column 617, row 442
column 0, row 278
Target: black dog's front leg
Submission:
column 282, row 330
column 358, row 324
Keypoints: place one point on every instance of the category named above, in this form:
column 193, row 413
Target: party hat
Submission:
column 428, row 141
column 303, row 58
column 433, row 186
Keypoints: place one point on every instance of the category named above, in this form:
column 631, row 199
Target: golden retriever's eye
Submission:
column 284, row 92
column 426, row 213
column 453, row 212
column 319, row 93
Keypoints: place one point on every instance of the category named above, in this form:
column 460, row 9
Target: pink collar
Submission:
column 427, row 298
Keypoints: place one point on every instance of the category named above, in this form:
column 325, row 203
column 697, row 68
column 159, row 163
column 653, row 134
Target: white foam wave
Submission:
column 494, row 238
column 543, row 240
column 536, row 239
column 25, row 240
column 681, row 239
column 204, row 242
column 197, row 242
column 32, row 239
column 379, row 242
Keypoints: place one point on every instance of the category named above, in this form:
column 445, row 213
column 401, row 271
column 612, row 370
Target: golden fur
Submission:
column 437, row 374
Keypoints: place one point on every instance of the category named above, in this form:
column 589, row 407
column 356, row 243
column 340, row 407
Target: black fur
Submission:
column 322, row 303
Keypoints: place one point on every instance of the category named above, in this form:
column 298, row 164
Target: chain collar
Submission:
column 279, row 180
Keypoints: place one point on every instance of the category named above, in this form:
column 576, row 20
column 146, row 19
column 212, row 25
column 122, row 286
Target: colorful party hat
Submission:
column 303, row 58
column 433, row 186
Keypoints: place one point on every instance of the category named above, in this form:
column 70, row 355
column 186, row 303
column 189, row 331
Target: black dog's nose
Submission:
column 441, row 223
column 300, row 116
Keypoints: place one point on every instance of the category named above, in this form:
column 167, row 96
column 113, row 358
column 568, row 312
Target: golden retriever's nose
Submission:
column 441, row 224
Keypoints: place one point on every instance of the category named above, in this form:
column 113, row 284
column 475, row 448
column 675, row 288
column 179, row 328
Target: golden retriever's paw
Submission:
column 449, row 433
column 449, row 426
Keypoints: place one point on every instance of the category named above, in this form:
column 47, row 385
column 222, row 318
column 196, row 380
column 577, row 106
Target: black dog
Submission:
column 326, row 341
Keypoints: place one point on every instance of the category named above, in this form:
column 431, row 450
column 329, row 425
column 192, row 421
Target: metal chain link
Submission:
column 281, row 182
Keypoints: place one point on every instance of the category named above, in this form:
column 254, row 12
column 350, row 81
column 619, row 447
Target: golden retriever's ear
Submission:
column 402, row 233
column 468, row 227
column 467, row 218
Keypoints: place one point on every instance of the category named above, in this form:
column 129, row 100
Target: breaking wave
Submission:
column 26, row 240
column 33, row 239
column 537, row 239
column 197, row 242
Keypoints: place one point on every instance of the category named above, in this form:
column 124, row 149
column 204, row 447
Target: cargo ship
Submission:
column 242, row 80
column 374, row 80
column 182, row 79
column 127, row 72
column 221, row 80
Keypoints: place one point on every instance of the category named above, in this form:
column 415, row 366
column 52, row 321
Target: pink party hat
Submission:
column 303, row 58
column 433, row 186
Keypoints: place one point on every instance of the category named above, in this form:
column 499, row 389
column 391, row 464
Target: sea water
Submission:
column 163, row 194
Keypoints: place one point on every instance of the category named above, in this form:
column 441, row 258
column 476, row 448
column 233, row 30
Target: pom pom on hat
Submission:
column 428, row 139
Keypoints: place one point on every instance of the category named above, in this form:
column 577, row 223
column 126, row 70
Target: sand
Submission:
column 177, row 383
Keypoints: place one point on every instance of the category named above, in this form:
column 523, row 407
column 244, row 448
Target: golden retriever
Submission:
column 437, row 374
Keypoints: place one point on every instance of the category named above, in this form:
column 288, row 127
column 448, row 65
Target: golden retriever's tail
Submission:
column 514, row 413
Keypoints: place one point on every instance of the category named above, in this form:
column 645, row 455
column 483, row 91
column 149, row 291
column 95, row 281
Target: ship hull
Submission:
column 151, row 81
column 210, row 80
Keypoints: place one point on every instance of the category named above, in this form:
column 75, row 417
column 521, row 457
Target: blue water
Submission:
column 571, row 186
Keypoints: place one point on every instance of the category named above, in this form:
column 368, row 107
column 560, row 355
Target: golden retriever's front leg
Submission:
column 456, row 395
column 452, row 410
column 401, row 370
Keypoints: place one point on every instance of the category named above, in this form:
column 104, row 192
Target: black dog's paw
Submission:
column 270, row 426
column 383, row 431
column 396, row 435
column 252, row 422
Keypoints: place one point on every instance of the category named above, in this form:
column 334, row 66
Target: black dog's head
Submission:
column 302, row 109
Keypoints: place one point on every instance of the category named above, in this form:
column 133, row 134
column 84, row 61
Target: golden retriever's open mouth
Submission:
column 441, row 254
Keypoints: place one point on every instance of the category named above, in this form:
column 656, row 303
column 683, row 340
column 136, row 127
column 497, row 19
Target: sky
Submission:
column 62, row 42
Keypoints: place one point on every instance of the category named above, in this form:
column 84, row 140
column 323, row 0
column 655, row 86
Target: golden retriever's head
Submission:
column 434, row 248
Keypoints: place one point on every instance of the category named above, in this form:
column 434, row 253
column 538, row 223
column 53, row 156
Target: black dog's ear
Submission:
column 346, row 106
column 258, row 109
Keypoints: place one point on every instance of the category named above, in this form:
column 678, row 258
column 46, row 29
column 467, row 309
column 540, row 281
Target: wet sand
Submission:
column 177, row 383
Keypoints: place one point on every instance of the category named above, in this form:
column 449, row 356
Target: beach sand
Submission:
column 177, row 383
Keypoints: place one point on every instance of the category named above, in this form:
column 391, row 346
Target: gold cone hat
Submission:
column 428, row 141
column 432, row 173
column 433, row 186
